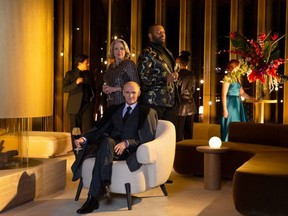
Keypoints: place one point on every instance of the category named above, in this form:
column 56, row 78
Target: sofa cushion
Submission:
column 203, row 131
column 256, row 133
column 186, row 149
column 260, row 186
column 40, row 144
column 251, row 147
column 257, row 161
column 191, row 142
column 189, row 161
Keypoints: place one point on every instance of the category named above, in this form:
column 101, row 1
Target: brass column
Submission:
column 135, row 33
column 233, row 22
column 109, row 28
column 160, row 12
column 63, row 63
column 210, row 45
column 285, row 92
column 183, row 25
column 207, row 60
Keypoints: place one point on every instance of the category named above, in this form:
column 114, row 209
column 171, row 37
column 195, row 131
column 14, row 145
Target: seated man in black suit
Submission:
column 117, row 136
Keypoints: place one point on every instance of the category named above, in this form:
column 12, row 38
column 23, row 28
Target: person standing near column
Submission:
column 120, row 71
column 80, row 85
column 232, row 91
column 187, row 109
column 157, row 76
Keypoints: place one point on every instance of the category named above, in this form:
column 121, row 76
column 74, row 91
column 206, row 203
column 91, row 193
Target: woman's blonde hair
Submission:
column 111, row 49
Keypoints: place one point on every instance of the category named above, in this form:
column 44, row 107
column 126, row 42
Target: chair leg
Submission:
column 163, row 188
column 169, row 181
column 128, row 195
column 79, row 189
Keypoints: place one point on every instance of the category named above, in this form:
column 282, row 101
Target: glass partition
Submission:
column 13, row 143
column 275, row 22
column 222, row 58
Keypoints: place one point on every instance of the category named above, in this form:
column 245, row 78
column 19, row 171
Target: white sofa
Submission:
column 157, row 158
column 38, row 144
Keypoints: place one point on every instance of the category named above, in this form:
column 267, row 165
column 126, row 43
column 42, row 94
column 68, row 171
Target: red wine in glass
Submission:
column 76, row 136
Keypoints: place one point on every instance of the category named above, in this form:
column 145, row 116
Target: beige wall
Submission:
column 26, row 58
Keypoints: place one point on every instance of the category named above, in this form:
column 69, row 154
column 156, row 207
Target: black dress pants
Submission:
column 167, row 113
column 83, row 119
column 184, row 127
column 102, row 170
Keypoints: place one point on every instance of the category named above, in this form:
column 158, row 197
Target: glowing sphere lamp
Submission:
column 215, row 142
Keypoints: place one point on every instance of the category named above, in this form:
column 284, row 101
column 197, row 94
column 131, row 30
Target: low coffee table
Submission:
column 212, row 166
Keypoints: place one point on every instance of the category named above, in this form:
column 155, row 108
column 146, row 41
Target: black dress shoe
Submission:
column 89, row 206
column 106, row 192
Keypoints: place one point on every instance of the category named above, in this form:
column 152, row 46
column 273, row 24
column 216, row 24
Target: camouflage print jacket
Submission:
column 154, row 64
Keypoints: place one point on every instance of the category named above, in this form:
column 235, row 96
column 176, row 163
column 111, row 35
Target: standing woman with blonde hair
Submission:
column 233, row 108
column 119, row 72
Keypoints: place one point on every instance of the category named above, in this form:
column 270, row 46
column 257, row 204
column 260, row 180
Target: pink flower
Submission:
column 261, row 55
column 272, row 72
column 262, row 36
column 232, row 35
column 277, row 62
column 254, row 75
column 274, row 36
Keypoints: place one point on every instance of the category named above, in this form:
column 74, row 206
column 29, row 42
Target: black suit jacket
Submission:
column 76, row 91
column 147, row 125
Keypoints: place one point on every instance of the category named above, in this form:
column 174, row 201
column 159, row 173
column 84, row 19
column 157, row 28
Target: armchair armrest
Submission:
column 158, row 155
column 163, row 144
column 146, row 153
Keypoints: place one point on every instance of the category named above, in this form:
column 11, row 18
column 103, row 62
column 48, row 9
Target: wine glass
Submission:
column 108, row 95
column 176, row 69
column 76, row 133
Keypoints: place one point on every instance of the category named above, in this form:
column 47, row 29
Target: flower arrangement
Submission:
column 261, row 57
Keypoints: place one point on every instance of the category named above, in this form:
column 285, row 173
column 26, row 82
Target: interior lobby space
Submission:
column 67, row 28
column 39, row 42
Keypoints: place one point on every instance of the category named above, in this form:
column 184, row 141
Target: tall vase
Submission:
column 260, row 90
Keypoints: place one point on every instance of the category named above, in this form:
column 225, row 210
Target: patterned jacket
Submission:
column 154, row 64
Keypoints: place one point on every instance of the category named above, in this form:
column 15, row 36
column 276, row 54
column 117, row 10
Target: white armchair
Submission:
column 157, row 158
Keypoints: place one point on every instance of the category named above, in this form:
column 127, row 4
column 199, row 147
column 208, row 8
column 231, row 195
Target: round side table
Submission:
column 212, row 166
